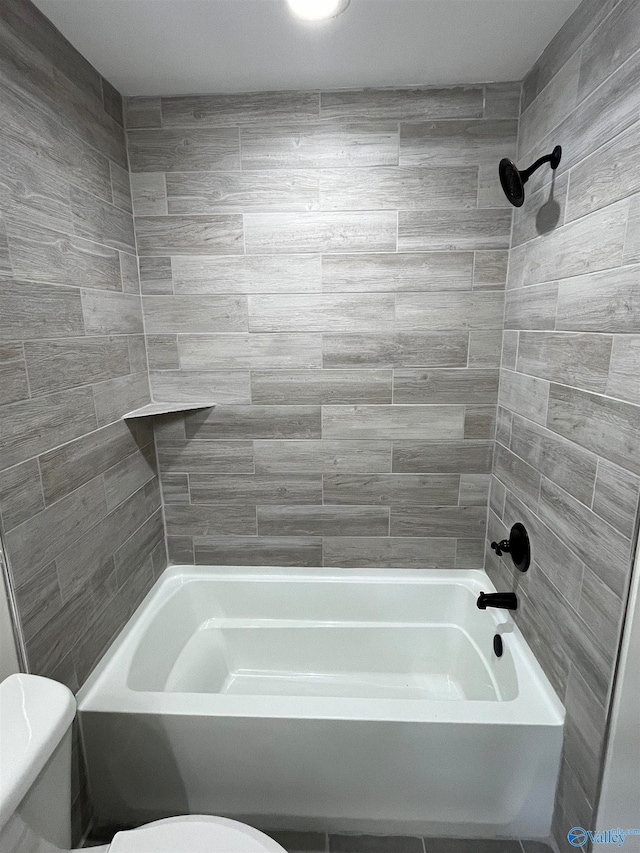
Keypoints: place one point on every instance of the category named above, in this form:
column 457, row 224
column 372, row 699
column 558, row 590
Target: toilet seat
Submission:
column 194, row 834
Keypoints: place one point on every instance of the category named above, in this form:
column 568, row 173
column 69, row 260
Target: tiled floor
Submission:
column 319, row 842
column 316, row 842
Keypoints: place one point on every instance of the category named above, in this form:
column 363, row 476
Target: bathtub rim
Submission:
column 106, row 689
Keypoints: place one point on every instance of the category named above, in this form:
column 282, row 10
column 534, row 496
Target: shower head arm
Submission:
column 553, row 159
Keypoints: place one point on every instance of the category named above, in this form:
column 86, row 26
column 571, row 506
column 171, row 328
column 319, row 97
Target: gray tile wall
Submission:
column 330, row 268
column 80, row 505
column 567, row 459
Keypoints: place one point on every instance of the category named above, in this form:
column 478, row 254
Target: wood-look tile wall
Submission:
column 330, row 269
column 79, row 497
column 567, row 459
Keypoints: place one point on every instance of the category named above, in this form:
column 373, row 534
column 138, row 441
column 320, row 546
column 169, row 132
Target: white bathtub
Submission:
column 336, row 700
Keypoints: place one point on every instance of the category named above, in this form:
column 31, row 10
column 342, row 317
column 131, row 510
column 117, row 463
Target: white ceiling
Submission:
column 152, row 47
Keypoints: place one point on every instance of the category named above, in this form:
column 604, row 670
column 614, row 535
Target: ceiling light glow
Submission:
column 316, row 10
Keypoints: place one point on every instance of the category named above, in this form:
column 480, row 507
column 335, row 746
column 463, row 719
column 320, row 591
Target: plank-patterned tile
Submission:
column 69, row 466
column 142, row 112
column 320, row 387
column 490, row 270
column 323, row 520
column 607, row 301
column 361, row 231
column 594, row 541
column 189, row 235
column 433, row 457
column 256, row 489
column 121, row 187
column 205, row 520
column 439, row 311
column 485, row 348
column 239, row 192
column 520, row 478
column 404, row 104
column 200, row 457
column 184, row 150
column 524, row 395
column 247, row 274
column 607, row 176
column 67, row 362
column 20, row 494
column 43, row 255
column 39, row 540
column 113, row 398
column 149, row 193
column 258, row 550
column 388, row 553
column 155, row 276
column 14, row 384
column 392, row 489
column 396, row 272
column 502, row 100
column 587, row 17
column 561, row 461
column 439, row 230
column 592, row 243
column 320, row 145
column 403, row 188
column 324, row 456
column 603, row 425
column 445, row 386
column 245, row 351
column 321, row 313
column 610, row 45
column 551, row 106
column 531, row 307
column 394, row 422
column 632, row 237
column 33, row 426
column 98, row 220
column 607, row 112
column 71, row 316
column 107, row 313
column 474, row 489
column 456, row 143
column 215, row 111
column 624, row 376
column 201, row 386
column 194, row 314
column 405, row 349
column 581, row 360
column 441, row 521
column 127, row 476
column 238, row 422
column 162, row 352
column 615, row 497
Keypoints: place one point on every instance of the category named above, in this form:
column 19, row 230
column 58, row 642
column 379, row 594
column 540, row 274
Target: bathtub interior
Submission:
column 291, row 636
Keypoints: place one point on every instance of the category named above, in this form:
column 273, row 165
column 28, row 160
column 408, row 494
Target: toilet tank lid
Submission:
column 35, row 713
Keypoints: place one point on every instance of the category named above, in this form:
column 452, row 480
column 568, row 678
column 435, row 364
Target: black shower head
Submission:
column 512, row 183
column 513, row 180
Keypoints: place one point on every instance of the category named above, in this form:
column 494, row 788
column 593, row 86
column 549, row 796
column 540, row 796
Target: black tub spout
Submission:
column 503, row 600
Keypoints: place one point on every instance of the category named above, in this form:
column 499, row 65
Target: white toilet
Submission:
column 36, row 715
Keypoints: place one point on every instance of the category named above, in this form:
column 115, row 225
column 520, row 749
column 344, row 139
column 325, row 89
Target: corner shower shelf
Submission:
column 152, row 409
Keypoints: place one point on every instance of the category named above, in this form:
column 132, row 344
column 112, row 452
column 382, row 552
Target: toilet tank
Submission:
column 36, row 715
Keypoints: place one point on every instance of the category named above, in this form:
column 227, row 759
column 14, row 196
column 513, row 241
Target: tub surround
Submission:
column 335, row 282
column 567, row 462
column 80, row 504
